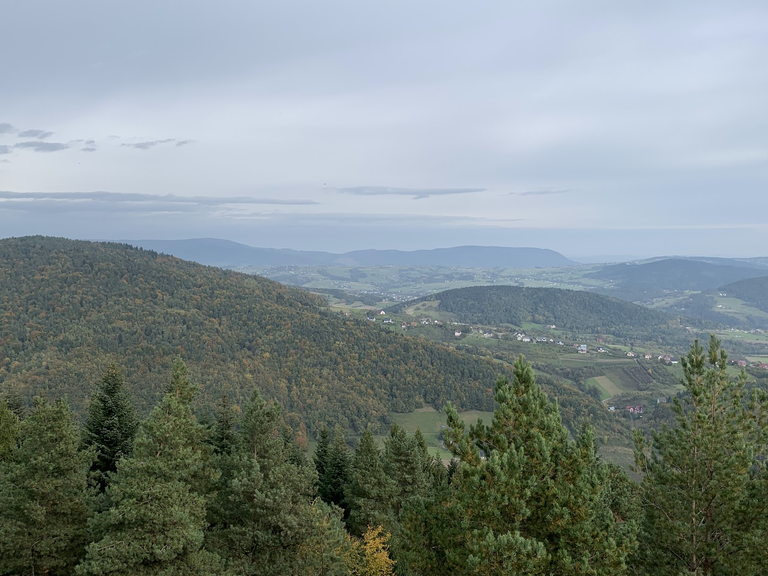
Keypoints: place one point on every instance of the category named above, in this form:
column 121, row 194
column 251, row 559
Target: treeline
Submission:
column 579, row 312
column 69, row 308
column 238, row 496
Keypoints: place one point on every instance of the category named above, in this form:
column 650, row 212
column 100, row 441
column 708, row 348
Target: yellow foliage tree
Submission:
column 370, row 556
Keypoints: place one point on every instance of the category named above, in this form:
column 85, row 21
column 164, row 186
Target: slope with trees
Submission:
column 68, row 308
column 581, row 312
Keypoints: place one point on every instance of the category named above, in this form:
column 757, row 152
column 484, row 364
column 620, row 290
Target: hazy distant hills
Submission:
column 742, row 304
column 215, row 252
column 68, row 307
column 753, row 291
column 642, row 281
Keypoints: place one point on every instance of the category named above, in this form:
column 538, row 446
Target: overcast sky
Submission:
column 587, row 127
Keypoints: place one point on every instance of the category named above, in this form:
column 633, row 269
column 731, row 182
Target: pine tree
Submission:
column 525, row 499
column 111, row 425
column 704, row 486
column 45, row 500
column 370, row 492
column 156, row 520
column 335, row 477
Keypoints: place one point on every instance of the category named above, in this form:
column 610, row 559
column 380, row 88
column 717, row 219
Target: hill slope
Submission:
column 67, row 307
column 645, row 281
column 582, row 312
column 742, row 304
column 215, row 252
column 753, row 291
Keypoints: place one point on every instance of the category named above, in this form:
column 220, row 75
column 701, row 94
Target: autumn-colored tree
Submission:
column 369, row 556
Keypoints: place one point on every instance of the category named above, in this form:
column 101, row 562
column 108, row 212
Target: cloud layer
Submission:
column 415, row 193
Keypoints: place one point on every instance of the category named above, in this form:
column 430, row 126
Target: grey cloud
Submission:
column 90, row 142
column 538, row 192
column 5, row 149
column 41, row 146
column 6, row 128
column 39, row 134
column 88, row 149
column 183, row 142
column 149, row 144
column 416, row 193
column 99, row 201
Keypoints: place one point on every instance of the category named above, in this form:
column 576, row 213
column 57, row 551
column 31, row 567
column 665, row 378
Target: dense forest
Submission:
column 68, row 308
column 521, row 496
column 580, row 312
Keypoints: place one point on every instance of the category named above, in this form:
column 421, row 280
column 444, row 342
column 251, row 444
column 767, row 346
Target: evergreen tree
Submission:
column 526, row 500
column 370, row 492
column 9, row 431
column 45, row 501
column 407, row 463
column 320, row 457
column 263, row 518
column 224, row 436
column 111, row 425
column 704, row 486
column 156, row 520
column 335, row 477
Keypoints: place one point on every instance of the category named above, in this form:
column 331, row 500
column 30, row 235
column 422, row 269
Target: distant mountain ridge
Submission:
column 224, row 253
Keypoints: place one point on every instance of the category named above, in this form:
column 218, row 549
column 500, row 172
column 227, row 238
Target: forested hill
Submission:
column 583, row 312
column 69, row 307
column 753, row 291
column 638, row 282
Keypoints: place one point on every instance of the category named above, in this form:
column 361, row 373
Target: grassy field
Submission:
column 606, row 385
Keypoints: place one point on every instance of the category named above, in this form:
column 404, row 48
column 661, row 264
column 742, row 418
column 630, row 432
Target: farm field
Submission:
column 607, row 387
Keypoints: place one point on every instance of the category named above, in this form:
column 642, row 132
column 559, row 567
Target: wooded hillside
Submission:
column 67, row 308
column 583, row 312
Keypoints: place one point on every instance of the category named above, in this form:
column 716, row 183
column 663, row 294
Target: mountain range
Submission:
column 227, row 254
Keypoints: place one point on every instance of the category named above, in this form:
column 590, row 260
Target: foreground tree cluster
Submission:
column 521, row 496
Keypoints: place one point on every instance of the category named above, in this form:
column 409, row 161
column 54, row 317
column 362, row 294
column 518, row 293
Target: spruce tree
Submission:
column 9, row 431
column 263, row 520
column 111, row 425
column 407, row 463
column 320, row 457
column 45, row 500
column 370, row 492
column 156, row 520
column 335, row 476
column 224, row 436
column 704, row 485
column 525, row 499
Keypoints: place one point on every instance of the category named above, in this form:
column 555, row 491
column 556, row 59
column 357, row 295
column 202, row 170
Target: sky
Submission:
column 593, row 127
